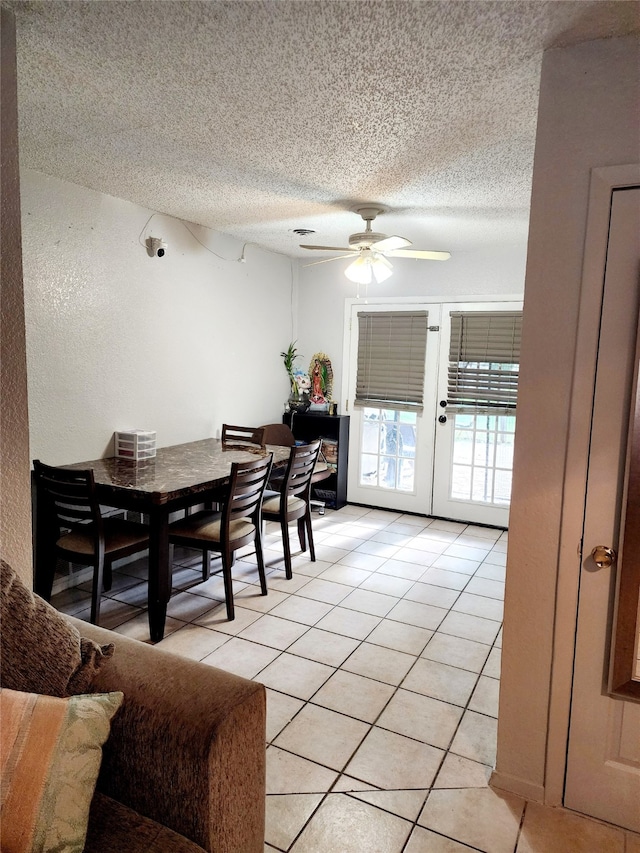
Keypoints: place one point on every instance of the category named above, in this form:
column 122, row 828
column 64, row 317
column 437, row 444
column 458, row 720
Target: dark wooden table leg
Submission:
column 159, row 571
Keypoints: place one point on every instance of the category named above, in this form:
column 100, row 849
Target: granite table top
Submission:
column 175, row 471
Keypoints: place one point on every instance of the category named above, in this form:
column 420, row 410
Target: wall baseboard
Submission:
column 515, row 785
column 84, row 575
column 62, row 582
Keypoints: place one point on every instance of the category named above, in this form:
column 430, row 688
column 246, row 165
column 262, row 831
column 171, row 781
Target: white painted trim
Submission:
column 603, row 181
column 85, row 575
column 346, row 355
column 62, row 582
column 515, row 785
column 437, row 298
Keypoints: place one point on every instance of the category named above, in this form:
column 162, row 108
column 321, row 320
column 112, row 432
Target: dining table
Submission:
column 178, row 477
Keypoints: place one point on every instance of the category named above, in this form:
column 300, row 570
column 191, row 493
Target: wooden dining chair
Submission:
column 243, row 438
column 292, row 502
column 250, row 439
column 69, row 524
column 238, row 524
column 278, row 434
column 282, row 436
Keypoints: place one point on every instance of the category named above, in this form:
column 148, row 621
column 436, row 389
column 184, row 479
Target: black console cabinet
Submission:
column 334, row 428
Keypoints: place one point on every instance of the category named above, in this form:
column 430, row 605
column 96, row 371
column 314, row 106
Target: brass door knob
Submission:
column 603, row 556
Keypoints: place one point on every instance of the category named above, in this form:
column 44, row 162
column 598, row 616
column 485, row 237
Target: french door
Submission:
column 432, row 462
column 473, row 458
column 391, row 450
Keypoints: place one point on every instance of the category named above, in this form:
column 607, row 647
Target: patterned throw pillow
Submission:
column 51, row 751
column 40, row 651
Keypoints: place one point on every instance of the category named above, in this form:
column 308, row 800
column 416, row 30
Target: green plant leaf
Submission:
column 289, row 357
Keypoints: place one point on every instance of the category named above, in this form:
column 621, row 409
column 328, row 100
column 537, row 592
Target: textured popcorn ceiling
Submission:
column 255, row 118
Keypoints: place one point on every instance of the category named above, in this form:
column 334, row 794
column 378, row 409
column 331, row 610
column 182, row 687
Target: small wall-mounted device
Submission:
column 155, row 247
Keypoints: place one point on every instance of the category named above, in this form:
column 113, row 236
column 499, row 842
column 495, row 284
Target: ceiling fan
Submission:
column 372, row 250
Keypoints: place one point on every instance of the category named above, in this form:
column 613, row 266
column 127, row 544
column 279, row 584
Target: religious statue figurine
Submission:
column 318, row 381
column 321, row 376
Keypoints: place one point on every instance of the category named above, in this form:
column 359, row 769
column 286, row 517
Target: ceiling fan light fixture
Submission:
column 366, row 267
column 380, row 271
column 373, row 249
column 359, row 271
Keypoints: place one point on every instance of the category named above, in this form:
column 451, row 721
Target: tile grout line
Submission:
column 373, row 724
column 417, row 656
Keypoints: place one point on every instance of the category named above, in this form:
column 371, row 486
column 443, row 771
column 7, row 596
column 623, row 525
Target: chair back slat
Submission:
column 242, row 438
column 72, row 505
column 246, row 487
column 69, row 496
column 71, row 516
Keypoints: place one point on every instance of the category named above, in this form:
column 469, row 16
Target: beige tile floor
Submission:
column 382, row 663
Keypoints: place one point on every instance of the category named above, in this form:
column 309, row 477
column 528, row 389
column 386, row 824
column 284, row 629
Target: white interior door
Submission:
column 473, row 458
column 603, row 762
column 391, row 452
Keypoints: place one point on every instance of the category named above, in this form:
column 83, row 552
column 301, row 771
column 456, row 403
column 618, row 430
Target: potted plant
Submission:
column 298, row 401
column 289, row 357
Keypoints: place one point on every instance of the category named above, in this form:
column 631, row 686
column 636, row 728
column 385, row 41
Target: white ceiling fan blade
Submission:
column 326, row 260
column 328, row 248
column 389, row 244
column 417, row 253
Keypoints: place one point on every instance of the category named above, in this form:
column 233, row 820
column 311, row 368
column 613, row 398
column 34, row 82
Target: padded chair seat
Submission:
column 206, row 525
column 118, row 533
column 115, row 828
column 271, row 504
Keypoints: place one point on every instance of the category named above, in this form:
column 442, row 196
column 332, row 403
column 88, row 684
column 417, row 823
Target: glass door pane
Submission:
column 388, row 449
column 482, row 458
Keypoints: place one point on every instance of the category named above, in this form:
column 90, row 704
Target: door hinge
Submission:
column 434, row 328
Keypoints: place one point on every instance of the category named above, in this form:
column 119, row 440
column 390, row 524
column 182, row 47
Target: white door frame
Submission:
column 603, row 181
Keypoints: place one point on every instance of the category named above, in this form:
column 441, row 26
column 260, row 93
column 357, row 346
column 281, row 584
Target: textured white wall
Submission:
column 15, row 506
column 324, row 288
column 588, row 117
column 117, row 340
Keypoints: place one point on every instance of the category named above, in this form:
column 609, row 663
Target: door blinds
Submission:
column 391, row 359
column 484, row 357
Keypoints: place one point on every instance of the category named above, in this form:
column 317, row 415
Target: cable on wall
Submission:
column 291, row 297
column 242, row 259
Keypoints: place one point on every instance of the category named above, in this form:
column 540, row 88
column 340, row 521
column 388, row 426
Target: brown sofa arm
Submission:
column 187, row 747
